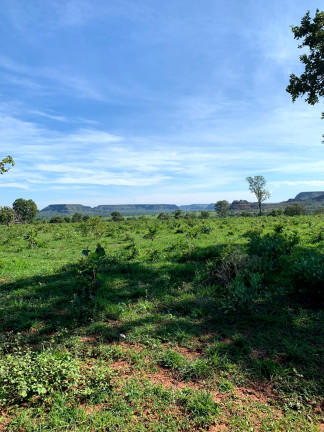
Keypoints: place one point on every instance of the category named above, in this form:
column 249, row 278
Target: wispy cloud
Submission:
column 63, row 79
column 312, row 183
column 50, row 116
column 14, row 185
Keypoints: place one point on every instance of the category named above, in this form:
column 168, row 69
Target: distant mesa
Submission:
column 309, row 195
column 106, row 210
column 67, row 209
column 243, row 205
column 311, row 201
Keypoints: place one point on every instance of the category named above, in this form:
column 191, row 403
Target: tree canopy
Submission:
column 222, row 208
column 7, row 215
column 311, row 81
column 4, row 164
column 257, row 186
column 25, row 210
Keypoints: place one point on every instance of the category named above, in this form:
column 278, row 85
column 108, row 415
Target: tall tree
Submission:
column 222, row 208
column 257, row 186
column 25, row 210
column 311, row 81
column 4, row 164
column 7, row 215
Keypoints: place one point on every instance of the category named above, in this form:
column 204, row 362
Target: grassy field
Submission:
column 175, row 325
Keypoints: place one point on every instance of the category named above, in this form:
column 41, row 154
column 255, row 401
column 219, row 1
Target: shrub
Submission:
column 163, row 216
column 204, row 214
column 223, row 269
column 308, row 276
column 274, row 213
column 56, row 219
column 190, row 215
column 247, row 214
column 7, row 215
column 272, row 246
column 88, row 270
column 243, row 292
column 77, row 217
column 117, row 216
column 29, row 374
column 177, row 214
column 295, row 210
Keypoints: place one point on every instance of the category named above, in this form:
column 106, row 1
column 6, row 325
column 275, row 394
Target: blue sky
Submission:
column 151, row 101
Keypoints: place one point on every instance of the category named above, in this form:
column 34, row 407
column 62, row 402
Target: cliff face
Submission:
column 135, row 208
column 243, row 205
column 308, row 195
column 311, row 201
column 197, row 207
column 105, row 210
column 66, row 209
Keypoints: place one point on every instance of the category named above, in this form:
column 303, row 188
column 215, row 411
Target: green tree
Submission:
column 117, row 216
column 177, row 214
column 204, row 214
column 77, row 217
column 257, row 186
column 275, row 212
column 7, row 215
column 56, row 219
column 25, row 210
column 4, row 164
column 163, row 216
column 245, row 213
column 295, row 210
column 311, row 81
column 222, row 208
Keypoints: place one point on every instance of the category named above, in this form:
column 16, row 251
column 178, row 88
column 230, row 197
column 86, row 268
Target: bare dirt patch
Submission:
column 259, row 392
column 189, row 353
column 218, row 428
column 89, row 339
column 4, row 420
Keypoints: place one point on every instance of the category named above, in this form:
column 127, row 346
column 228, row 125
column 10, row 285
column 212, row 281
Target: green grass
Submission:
column 189, row 324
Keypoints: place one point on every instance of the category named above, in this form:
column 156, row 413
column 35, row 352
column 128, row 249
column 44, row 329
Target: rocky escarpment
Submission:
column 310, row 200
column 243, row 205
column 309, row 195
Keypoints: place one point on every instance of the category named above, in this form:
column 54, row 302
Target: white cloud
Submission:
column 14, row 185
column 50, row 116
column 313, row 183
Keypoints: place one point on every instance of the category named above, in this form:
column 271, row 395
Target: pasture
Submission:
column 162, row 325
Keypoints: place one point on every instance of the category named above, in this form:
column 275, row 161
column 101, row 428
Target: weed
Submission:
column 200, row 406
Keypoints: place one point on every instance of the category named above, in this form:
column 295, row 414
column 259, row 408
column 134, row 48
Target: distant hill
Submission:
column 310, row 200
column 105, row 210
column 194, row 207
column 308, row 195
column 133, row 209
column 65, row 210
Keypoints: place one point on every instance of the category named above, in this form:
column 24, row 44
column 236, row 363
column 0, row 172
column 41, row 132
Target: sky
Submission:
column 151, row 101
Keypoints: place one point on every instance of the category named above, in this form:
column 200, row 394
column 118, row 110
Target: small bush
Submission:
column 295, row 210
column 308, row 276
column 272, row 246
column 56, row 219
column 29, row 374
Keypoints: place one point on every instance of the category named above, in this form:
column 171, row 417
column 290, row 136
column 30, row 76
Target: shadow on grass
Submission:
column 164, row 302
